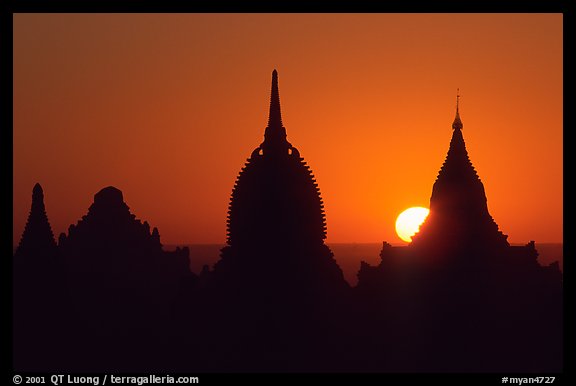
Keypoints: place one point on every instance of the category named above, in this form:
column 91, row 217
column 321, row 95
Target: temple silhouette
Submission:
column 458, row 298
column 276, row 222
column 37, row 242
column 459, row 220
column 40, row 288
column 275, row 270
column 460, row 285
column 108, row 287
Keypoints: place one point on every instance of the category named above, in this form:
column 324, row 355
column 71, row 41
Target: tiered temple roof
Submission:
column 459, row 218
column 110, row 227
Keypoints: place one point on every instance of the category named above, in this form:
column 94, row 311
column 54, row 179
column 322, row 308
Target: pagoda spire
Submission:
column 457, row 124
column 275, row 133
column 275, row 117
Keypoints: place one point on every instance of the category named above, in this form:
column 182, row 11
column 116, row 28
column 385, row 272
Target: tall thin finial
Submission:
column 275, row 117
column 457, row 124
column 457, row 98
column 275, row 133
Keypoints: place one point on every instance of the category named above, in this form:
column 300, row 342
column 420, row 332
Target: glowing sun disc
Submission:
column 409, row 221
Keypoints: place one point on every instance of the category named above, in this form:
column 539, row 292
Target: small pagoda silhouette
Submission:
column 40, row 288
column 37, row 241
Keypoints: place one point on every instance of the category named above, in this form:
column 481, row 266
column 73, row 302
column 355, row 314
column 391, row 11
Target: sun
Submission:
column 409, row 221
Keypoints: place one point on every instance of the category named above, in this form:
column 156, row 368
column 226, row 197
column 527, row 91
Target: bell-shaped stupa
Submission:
column 276, row 222
column 275, row 200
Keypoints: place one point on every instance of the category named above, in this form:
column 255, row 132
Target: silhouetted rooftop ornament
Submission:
column 37, row 239
column 275, row 134
column 275, row 116
column 457, row 124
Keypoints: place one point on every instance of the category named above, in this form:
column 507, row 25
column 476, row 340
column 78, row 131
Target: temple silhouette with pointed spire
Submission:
column 37, row 239
column 459, row 218
column 276, row 199
column 39, row 289
column 276, row 223
column 460, row 285
column 459, row 223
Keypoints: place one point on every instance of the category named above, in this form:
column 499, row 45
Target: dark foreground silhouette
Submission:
column 459, row 298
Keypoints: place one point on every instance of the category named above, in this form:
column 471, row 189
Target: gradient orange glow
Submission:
column 167, row 107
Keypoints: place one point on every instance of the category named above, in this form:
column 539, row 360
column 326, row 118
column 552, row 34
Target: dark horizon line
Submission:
column 394, row 244
column 369, row 242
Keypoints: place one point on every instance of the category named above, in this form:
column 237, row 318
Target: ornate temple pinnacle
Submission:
column 457, row 124
column 274, row 117
column 275, row 134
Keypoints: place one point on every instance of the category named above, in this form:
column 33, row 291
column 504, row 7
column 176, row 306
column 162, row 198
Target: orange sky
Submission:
column 167, row 107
